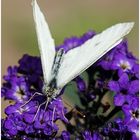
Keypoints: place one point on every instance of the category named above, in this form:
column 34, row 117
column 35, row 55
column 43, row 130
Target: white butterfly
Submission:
column 59, row 68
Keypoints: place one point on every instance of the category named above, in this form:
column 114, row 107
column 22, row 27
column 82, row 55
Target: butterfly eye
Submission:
column 45, row 89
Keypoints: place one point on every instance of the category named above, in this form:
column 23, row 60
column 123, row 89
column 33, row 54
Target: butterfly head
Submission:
column 49, row 91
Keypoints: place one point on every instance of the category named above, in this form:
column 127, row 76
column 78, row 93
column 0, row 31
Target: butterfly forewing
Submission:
column 45, row 41
column 79, row 59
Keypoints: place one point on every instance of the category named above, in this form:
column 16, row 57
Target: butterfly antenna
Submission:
column 78, row 112
column 74, row 109
column 36, row 93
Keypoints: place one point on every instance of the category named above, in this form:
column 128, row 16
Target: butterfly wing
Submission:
column 79, row 59
column 45, row 41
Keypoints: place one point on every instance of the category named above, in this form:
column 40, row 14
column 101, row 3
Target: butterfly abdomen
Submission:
column 57, row 62
column 51, row 89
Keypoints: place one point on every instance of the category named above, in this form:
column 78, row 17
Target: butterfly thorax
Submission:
column 49, row 91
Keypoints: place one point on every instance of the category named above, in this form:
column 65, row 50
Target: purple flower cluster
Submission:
column 114, row 77
column 21, row 83
column 112, row 130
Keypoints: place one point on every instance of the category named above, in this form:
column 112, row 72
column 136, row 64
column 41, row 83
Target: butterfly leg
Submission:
column 48, row 100
column 38, row 110
column 53, row 114
column 65, row 119
column 36, row 93
column 62, row 111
